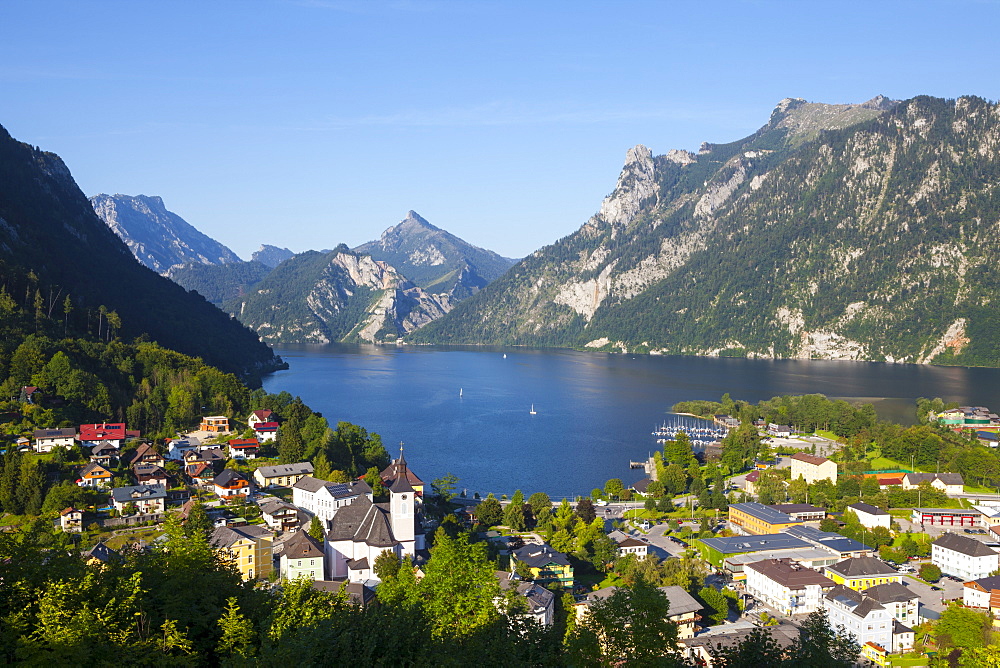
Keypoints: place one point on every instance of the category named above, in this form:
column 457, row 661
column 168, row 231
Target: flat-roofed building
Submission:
column 803, row 512
column 813, row 557
column 716, row 550
column 758, row 519
column 946, row 517
column 842, row 546
column 787, row 586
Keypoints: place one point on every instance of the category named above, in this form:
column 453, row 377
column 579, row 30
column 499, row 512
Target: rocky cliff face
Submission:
column 158, row 238
column 836, row 231
column 337, row 296
column 271, row 256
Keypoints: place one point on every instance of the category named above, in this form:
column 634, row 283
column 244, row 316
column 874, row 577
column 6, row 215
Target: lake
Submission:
column 467, row 410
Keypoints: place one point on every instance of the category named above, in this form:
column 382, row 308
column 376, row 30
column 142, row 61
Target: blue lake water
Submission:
column 466, row 410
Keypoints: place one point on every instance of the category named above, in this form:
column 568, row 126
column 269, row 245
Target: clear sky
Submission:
column 309, row 123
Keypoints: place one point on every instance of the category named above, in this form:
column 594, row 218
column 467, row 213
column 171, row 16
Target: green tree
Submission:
column 444, row 487
column 513, row 514
column 386, row 565
column 538, row 502
column 585, row 510
column 489, row 511
column 716, row 603
column 962, row 627
column 820, row 645
column 316, row 529
column 614, row 487
column 930, row 572
column 459, row 588
column 237, row 644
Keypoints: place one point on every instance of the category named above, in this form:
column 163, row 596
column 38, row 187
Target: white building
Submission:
column 47, row 439
column 628, row 545
column 949, row 483
column 361, row 531
column 982, row 593
column 963, row 557
column 786, row 586
column 178, row 447
column 302, row 556
column 323, row 499
column 538, row 602
column 867, row 619
column 871, row 516
column 813, row 468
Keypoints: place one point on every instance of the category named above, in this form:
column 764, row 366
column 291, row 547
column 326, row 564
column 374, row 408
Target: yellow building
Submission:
column 246, row 547
column 757, row 519
column 860, row 573
column 545, row 564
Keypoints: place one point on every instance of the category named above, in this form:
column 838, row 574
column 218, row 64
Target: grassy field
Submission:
column 828, row 434
column 147, row 534
column 917, row 537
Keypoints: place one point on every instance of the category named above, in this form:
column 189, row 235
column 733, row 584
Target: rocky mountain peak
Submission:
column 636, row 187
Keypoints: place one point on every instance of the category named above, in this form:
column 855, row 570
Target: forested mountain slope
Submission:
column 158, row 238
column 53, row 247
column 874, row 240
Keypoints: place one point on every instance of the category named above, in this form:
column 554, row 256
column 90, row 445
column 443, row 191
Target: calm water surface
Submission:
column 466, row 411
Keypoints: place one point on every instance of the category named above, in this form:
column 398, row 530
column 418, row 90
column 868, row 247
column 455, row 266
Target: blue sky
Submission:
column 310, row 123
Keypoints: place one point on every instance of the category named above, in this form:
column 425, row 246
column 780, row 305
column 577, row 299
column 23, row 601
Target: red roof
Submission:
column 97, row 432
column 890, row 481
column 266, row 426
column 244, row 443
column 263, row 414
column 753, row 476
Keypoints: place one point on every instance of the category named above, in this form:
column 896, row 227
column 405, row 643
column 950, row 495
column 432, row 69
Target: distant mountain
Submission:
column 220, row 283
column 436, row 260
column 337, row 296
column 271, row 256
column 53, row 245
column 159, row 238
column 866, row 232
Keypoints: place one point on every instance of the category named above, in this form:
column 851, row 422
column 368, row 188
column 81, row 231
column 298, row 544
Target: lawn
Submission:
column 883, row 464
column 147, row 534
column 909, row 661
column 828, row 434
column 917, row 537
column 979, row 489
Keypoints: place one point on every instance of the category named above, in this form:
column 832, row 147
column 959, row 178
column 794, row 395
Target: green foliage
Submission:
column 489, row 511
column 963, row 627
column 930, row 572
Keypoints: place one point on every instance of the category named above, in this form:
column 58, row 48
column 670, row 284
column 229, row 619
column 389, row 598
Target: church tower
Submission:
column 402, row 506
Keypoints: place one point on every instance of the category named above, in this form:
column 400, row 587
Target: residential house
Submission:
column 302, row 556
column 901, row 602
column 178, row 447
column 323, row 499
column 104, row 432
column 779, row 430
column 200, row 473
column 727, row 421
column 629, row 545
column 71, row 520
column 870, row 516
column 750, row 486
column 279, row 515
column 244, row 448
column 547, row 566
column 248, row 547
column 983, row 593
column 266, row 431
column 949, row 483
column 641, row 486
column 47, row 439
column 146, row 453
column 757, row 519
column 683, row 610
column 217, row 424
column 100, row 555
column 282, row 475
column 699, row 650
column 213, row 455
column 860, row 573
column 231, row 483
column 813, row 468
column 150, row 474
column 963, row 557
column 147, row 498
column 787, row 586
column 538, row 602
column 867, row 619
column 257, row 417
column 30, row 395
column 399, row 468
column 94, row 475
column 362, row 530
column 104, row 454
column 801, row 512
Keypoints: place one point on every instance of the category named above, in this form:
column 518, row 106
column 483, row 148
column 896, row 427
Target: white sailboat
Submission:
column 505, row 355
column 460, row 390
column 532, row 411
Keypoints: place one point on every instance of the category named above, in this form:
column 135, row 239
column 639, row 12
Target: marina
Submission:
column 700, row 431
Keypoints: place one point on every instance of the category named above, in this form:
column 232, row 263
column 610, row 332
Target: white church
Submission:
column 362, row 530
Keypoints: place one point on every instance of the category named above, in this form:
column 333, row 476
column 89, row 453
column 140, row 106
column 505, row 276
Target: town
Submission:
column 752, row 532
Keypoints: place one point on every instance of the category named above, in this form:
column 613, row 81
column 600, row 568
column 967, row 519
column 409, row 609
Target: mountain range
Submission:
column 864, row 232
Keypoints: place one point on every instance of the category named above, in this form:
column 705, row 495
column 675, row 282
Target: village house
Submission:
column 71, row 520
column 104, row 454
column 147, row 498
column 868, row 620
column 282, row 475
column 47, row 439
column 213, row 455
column 949, row 483
column 244, row 448
column 983, row 593
column 178, row 447
column 94, row 475
column 100, row 555
column 963, row 557
column 546, row 566
column 538, row 602
column 258, row 417
column 860, row 573
column 813, row 468
column 361, row 531
column 146, row 453
column 683, row 610
column 150, row 474
column 216, row 424
column 248, row 547
column 628, row 545
column 232, row 483
column 266, row 431
column 779, row 430
column 30, row 395
column 757, row 519
column 279, row 515
column 324, row 499
column 901, row 602
column 750, row 486
column 787, row 586
column 302, row 555
column 870, row 516
column 112, row 433
column 200, row 473
column 399, row 468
